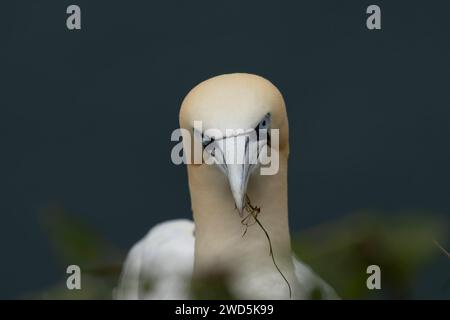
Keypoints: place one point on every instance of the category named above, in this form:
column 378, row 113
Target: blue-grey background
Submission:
column 86, row 116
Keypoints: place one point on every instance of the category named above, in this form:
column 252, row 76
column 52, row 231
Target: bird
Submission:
column 225, row 197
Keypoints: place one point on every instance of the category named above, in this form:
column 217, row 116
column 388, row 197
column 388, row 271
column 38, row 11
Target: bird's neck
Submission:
column 220, row 241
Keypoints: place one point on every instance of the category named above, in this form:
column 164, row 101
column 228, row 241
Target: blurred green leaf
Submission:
column 212, row 286
column 77, row 243
column 74, row 241
column 400, row 244
column 93, row 287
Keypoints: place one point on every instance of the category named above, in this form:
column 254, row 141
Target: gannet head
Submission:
column 236, row 113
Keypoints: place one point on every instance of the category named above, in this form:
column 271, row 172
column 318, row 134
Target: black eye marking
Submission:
column 264, row 124
column 207, row 141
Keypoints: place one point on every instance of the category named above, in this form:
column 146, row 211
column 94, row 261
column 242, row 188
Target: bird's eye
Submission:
column 264, row 125
column 206, row 141
column 265, row 122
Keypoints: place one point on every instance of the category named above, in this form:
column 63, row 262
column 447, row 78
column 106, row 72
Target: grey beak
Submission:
column 238, row 179
column 238, row 156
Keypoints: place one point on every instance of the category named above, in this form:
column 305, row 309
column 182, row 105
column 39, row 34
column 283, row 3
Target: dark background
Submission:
column 86, row 116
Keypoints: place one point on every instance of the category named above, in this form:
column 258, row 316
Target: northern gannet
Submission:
column 174, row 252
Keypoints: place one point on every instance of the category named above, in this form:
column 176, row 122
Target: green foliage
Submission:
column 212, row 287
column 341, row 251
column 93, row 287
column 75, row 242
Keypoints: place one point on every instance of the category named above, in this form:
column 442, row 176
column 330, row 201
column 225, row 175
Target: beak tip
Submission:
column 241, row 212
column 239, row 202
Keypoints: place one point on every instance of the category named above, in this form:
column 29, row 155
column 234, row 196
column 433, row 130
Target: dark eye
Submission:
column 265, row 122
column 206, row 141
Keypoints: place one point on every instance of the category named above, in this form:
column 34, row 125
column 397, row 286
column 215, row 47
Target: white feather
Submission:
column 160, row 266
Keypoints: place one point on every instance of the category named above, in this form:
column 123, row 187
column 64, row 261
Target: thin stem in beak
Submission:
column 253, row 211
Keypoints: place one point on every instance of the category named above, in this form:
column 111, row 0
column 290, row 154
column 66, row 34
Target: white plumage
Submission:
column 160, row 266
